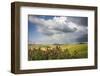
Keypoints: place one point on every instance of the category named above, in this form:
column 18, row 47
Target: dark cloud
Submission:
column 83, row 38
column 66, row 29
column 79, row 20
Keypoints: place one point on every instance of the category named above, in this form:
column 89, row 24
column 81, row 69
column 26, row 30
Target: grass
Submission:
column 63, row 51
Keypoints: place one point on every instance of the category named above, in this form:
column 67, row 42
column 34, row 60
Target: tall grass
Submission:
column 57, row 52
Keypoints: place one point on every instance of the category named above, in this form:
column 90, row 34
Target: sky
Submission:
column 43, row 29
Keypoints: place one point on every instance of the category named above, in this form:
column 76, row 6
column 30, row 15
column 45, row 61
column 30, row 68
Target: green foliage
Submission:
column 57, row 52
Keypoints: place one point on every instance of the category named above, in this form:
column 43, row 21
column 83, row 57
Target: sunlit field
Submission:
column 57, row 51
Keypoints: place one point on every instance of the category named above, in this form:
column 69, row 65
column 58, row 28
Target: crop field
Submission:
column 57, row 51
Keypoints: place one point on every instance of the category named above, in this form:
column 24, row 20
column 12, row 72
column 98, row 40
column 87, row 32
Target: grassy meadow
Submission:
column 57, row 51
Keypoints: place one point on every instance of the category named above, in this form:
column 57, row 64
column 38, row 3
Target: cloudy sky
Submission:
column 44, row 29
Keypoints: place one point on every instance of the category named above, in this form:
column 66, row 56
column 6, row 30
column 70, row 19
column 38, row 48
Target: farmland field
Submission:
column 57, row 51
